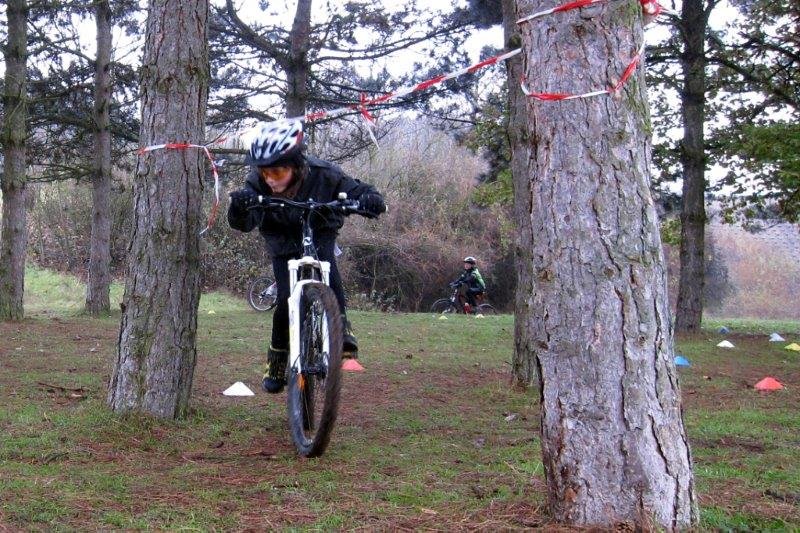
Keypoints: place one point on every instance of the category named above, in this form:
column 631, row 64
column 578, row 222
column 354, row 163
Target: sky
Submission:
column 399, row 63
column 126, row 50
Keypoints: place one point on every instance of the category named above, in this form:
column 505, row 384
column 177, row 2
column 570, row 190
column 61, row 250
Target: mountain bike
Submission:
column 457, row 303
column 263, row 294
column 315, row 334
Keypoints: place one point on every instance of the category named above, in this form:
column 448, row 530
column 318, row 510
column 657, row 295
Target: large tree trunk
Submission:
column 99, row 278
column 297, row 65
column 523, row 368
column 689, row 313
column 613, row 442
column 157, row 352
column 14, row 233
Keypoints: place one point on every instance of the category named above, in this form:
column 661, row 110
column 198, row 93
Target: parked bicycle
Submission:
column 315, row 334
column 263, row 294
column 457, row 303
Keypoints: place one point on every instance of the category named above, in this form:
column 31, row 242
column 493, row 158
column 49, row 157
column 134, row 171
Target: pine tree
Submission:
column 157, row 351
column 14, row 234
column 597, row 319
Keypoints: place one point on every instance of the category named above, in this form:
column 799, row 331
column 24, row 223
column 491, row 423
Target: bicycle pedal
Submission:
column 349, row 355
column 351, row 365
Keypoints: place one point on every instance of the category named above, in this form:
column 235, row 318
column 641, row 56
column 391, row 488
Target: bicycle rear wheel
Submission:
column 313, row 393
column 443, row 305
column 262, row 295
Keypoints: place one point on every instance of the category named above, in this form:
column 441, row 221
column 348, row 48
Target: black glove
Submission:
column 372, row 203
column 243, row 198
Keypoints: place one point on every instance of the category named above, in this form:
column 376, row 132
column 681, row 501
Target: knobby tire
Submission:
column 313, row 400
column 486, row 309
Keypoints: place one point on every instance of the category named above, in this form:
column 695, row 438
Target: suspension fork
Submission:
column 294, row 302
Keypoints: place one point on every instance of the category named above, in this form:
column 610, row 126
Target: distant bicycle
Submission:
column 457, row 303
column 263, row 294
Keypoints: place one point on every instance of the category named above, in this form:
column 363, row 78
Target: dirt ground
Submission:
column 422, row 443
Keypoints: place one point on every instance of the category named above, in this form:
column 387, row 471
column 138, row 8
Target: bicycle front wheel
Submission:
column 486, row 309
column 443, row 306
column 313, row 392
column 262, row 294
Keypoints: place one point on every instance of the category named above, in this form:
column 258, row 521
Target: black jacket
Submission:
column 282, row 228
column 473, row 279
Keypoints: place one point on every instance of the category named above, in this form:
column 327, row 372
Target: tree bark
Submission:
column 14, row 233
column 99, row 277
column 297, row 65
column 689, row 311
column 523, row 368
column 156, row 351
column 613, row 442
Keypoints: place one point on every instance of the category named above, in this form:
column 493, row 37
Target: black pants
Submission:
column 471, row 295
column 280, row 267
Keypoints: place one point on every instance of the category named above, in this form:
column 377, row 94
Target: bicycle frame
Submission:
column 459, row 300
column 319, row 271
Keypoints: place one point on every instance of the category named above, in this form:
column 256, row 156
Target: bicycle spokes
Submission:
column 315, row 380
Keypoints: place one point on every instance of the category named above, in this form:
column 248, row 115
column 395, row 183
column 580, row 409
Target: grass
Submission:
column 422, row 439
column 753, row 325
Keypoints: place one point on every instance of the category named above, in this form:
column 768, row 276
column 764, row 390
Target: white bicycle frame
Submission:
column 296, row 292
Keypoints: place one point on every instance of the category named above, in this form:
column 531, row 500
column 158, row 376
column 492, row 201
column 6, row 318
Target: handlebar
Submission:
column 342, row 204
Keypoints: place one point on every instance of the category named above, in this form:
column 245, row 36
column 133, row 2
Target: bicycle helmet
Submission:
column 276, row 143
column 471, row 260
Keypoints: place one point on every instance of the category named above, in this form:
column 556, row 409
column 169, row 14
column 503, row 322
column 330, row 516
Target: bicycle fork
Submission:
column 296, row 293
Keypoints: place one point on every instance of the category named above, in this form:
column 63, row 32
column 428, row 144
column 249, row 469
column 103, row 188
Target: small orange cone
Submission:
column 768, row 384
column 351, row 365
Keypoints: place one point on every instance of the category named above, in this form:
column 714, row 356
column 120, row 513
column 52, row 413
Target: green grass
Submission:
column 422, row 440
column 754, row 325
column 48, row 292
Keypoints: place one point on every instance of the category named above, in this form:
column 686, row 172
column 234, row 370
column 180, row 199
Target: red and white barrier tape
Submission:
column 611, row 90
column 365, row 102
column 212, row 217
column 649, row 7
column 654, row 9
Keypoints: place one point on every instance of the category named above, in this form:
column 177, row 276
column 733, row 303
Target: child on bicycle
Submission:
column 471, row 277
column 280, row 168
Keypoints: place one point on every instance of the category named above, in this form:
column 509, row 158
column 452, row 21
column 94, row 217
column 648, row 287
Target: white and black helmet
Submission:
column 276, row 142
column 471, row 260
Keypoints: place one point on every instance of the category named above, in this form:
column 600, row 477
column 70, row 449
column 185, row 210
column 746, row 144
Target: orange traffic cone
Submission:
column 351, row 365
column 768, row 384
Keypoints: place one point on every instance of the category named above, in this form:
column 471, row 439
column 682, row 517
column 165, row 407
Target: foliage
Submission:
column 671, row 231
column 768, row 170
column 759, row 63
column 752, row 84
column 432, row 223
column 489, row 136
column 319, row 64
column 59, row 226
column 500, row 191
column 61, row 142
